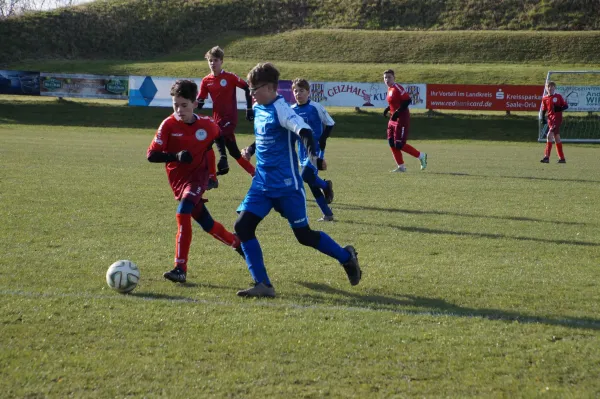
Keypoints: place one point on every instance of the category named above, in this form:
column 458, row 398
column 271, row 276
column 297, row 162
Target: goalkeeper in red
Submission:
column 397, row 130
column 553, row 104
column 183, row 142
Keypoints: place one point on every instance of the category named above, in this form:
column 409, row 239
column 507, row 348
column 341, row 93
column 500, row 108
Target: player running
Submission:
column 278, row 183
column 183, row 142
column 398, row 126
column 221, row 85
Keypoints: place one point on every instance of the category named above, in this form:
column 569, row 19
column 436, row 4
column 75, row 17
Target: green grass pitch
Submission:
column 480, row 274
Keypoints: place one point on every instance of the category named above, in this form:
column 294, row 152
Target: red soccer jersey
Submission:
column 222, row 90
column 174, row 135
column 396, row 96
column 548, row 103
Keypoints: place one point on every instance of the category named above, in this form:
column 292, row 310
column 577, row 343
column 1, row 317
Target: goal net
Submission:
column 581, row 121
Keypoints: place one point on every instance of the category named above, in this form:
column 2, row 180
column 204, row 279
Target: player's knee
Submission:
column 245, row 226
column 306, row 236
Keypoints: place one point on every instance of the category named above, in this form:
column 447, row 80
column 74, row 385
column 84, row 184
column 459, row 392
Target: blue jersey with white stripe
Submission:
column 316, row 116
column 276, row 130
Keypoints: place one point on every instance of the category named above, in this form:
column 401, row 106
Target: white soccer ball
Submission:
column 123, row 276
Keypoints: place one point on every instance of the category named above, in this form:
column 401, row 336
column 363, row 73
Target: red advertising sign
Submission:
column 485, row 97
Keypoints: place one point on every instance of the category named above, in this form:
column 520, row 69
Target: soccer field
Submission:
column 480, row 276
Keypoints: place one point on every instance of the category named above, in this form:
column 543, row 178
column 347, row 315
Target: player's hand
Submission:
column 184, row 156
column 250, row 115
column 321, row 164
column 246, row 154
column 386, row 112
column 222, row 167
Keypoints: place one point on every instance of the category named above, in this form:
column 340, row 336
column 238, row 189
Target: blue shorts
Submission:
column 291, row 206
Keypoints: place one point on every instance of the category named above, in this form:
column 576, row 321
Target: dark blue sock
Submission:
column 323, row 205
column 320, row 182
column 255, row 262
column 332, row 248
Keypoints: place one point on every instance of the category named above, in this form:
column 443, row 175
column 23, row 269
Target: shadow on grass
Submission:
column 440, row 307
column 367, row 125
column 447, row 213
column 516, row 177
column 425, row 230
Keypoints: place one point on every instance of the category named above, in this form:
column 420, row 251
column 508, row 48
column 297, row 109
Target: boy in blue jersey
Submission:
column 316, row 116
column 277, row 183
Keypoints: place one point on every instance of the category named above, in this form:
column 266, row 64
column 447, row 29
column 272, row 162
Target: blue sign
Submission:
column 20, row 82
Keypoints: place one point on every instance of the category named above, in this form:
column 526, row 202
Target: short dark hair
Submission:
column 390, row 71
column 301, row 83
column 265, row 72
column 187, row 89
column 215, row 52
column 551, row 83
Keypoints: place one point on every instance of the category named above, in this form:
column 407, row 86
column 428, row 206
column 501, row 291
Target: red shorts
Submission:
column 398, row 130
column 554, row 129
column 228, row 130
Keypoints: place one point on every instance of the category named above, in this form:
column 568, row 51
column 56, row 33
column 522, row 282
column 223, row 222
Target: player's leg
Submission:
column 396, row 153
column 251, row 211
column 192, row 194
column 402, row 136
column 559, row 146
column 310, row 176
column 201, row 215
column 548, row 149
column 293, row 208
column 234, row 151
column 322, row 203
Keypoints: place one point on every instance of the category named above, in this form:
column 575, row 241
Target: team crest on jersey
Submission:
column 554, row 99
column 201, row 134
column 223, row 82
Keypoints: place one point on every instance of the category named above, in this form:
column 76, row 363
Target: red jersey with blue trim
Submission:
column 548, row 103
column 174, row 135
column 396, row 95
column 222, row 90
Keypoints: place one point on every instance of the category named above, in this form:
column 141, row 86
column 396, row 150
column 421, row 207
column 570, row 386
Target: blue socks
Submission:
column 323, row 206
column 332, row 248
column 255, row 262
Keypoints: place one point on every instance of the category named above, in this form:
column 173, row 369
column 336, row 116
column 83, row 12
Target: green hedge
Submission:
column 141, row 28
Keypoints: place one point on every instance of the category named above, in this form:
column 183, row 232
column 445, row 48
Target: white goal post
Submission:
column 581, row 121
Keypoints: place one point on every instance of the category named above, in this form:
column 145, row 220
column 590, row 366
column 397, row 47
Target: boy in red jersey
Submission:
column 397, row 130
column 183, row 142
column 554, row 104
column 221, row 85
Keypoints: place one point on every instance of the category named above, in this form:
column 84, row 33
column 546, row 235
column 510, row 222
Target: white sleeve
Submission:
column 288, row 118
column 326, row 119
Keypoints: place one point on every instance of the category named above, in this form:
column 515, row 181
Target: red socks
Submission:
column 409, row 149
column 183, row 240
column 559, row 151
column 548, row 149
column 220, row 233
column 397, row 156
column 248, row 167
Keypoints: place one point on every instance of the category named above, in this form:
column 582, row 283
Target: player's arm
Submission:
column 386, row 111
column 326, row 120
column 403, row 105
column 562, row 106
column 157, row 151
column 202, row 95
column 249, row 151
column 242, row 84
column 543, row 113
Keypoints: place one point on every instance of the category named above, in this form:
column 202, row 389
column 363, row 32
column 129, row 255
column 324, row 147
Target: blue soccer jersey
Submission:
column 316, row 116
column 276, row 130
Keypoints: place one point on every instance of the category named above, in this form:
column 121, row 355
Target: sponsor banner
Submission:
column 155, row 91
column 484, row 97
column 581, row 98
column 85, row 86
column 20, row 82
column 353, row 94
